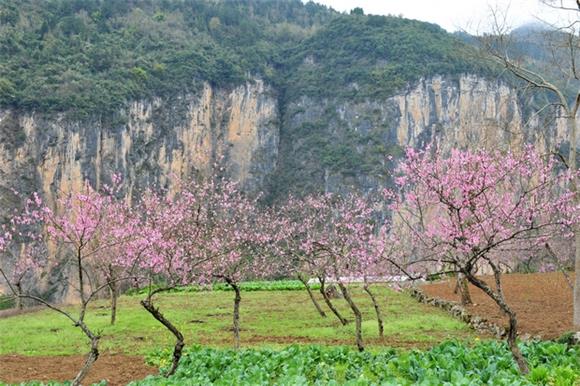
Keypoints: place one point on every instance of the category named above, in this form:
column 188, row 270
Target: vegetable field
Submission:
column 450, row 363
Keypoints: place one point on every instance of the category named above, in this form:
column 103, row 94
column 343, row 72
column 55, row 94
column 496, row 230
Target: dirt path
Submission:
column 116, row 369
column 543, row 302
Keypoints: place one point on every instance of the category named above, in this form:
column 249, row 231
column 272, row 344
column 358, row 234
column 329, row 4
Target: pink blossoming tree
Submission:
column 160, row 257
column 85, row 224
column 298, row 221
column 471, row 209
column 228, row 232
column 340, row 243
column 290, row 228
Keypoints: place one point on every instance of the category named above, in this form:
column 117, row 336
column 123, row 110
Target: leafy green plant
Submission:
column 451, row 363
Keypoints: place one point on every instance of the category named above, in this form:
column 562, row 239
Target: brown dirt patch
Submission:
column 375, row 341
column 116, row 369
column 542, row 302
column 15, row 312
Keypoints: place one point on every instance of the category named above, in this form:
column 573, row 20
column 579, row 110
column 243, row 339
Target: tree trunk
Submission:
column 91, row 358
column 512, row 331
column 577, row 280
column 178, row 349
column 237, row 300
column 80, row 273
column 342, row 320
column 462, row 288
column 367, row 289
column 311, row 295
column 19, row 305
column 357, row 316
column 113, row 290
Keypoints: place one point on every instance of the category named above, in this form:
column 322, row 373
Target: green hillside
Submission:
column 86, row 56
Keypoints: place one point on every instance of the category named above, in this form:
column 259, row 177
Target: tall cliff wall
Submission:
column 332, row 145
column 264, row 142
column 148, row 143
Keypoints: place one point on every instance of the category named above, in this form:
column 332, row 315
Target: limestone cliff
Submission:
column 148, row 143
column 454, row 111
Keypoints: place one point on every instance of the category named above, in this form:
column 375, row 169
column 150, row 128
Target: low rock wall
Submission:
column 457, row 310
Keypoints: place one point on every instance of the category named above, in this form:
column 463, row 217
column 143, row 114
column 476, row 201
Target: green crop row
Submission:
column 277, row 285
column 451, row 363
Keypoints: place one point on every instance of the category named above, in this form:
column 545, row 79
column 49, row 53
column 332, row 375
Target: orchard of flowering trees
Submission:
column 463, row 212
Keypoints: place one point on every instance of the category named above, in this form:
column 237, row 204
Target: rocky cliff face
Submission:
column 150, row 142
column 316, row 135
column 264, row 142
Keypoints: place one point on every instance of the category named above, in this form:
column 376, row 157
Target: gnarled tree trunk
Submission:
column 114, row 292
column 367, row 289
column 577, row 280
column 462, row 288
column 357, row 316
column 18, row 287
column 237, row 301
column 573, row 132
column 179, row 344
column 342, row 320
column 91, row 357
column 311, row 295
column 499, row 299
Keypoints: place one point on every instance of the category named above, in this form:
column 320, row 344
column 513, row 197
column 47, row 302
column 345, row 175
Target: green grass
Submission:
column 271, row 319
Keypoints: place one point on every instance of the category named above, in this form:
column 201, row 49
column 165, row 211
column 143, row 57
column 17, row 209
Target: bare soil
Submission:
column 115, row 369
column 542, row 302
column 15, row 312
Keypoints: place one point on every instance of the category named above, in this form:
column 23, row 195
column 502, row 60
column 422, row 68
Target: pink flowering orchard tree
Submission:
column 229, row 233
column 385, row 261
column 160, row 256
column 471, row 209
column 342, row 242
column 26, row 265
column 119, row 234
column 86, row 223
column 290, row 228
column 207, row 231
column 298, row 222
column 350, row 242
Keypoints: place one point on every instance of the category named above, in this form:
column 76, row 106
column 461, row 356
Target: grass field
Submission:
column 268, row 319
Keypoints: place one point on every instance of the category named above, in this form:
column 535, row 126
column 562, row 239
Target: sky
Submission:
column 472, row 16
